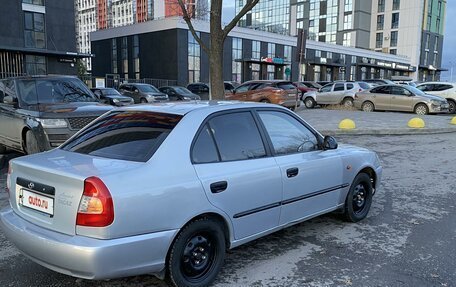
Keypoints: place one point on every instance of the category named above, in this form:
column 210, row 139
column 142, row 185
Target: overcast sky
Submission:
column 449, row 45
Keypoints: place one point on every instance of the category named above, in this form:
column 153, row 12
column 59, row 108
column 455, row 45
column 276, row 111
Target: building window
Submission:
column 348, row 5
column 347, row 39
column 287, row 54
column 436, row 44
column 426, row 57
column 428, row 24
column 34, row 30
column 379, row 40
column 34, row 2
column 395, row 21
column 393, row 51
column 125, row 57
column 396, row 4
column 439, row 7
column 380, row 22
column 136, row 56
column 426, row 42
column 114, row 56
column 256, row 49
column 35, row 65
column 317, row 54
column 237, row 65
column 393, row 42
column 437, row 28
column 317, row 73
column 194, row 59
column 255, row 71
column 348, row 22
column 271, row 54
column 381, row 5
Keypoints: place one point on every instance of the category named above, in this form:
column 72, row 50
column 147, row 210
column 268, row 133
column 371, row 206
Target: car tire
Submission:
column 197, row 254
column 359, row 198
column 368, row 106
column 421, row 109
column 31, row 143
column 310, row 103
column 452, row 104
column 143, row 101
column 347, row 102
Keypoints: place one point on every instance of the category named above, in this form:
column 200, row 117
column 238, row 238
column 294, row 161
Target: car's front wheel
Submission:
column 452, row 104
column 359, row 198
column 309, row 102
column 368, row 107
column 347, row 102
column 31, row 143
column 421, row 109
column 197, row 254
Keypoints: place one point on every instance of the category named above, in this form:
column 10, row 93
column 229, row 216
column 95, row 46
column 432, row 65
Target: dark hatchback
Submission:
column 112, row 97
column 40, row 113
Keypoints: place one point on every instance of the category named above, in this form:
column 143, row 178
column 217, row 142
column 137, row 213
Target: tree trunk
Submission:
column 216, row 55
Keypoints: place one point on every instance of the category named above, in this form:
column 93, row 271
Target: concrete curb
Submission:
column 389, row 132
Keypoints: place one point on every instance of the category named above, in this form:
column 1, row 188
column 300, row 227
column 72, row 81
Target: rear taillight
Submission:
column 8, row 178
column 96, row 208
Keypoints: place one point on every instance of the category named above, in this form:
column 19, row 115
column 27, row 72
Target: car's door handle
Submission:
column 292, row 172
column 219, row 186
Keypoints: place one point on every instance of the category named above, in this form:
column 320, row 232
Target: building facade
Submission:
column 34, row 40
column 93, row 15
column 411, row 28
column 165, row 49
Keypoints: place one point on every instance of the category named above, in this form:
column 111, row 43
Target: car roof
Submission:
column 183, row 108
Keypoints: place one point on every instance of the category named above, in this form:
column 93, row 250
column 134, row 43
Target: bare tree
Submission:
column 218, row 34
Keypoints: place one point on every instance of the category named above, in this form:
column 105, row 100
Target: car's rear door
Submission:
column 237, row 172
column 312, row 178
column 401, row 99
column 381, row 97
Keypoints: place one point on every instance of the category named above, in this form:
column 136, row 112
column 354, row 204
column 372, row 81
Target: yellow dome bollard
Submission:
column 453, row 121
column 416, row 123
column 347, row 124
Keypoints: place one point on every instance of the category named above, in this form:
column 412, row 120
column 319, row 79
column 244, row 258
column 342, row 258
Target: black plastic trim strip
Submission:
column 35, row 186
column 288, row 201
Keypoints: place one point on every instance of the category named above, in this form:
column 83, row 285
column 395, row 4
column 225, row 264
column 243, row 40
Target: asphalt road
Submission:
column 408, row 238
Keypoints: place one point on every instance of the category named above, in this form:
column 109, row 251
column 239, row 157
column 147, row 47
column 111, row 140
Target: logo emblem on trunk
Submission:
column 31, row 185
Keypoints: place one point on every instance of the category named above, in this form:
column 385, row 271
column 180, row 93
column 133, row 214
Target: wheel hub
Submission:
column 359, row 198
column 197, row 256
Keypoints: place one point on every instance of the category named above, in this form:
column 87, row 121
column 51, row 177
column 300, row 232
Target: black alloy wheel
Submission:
column 359, row 198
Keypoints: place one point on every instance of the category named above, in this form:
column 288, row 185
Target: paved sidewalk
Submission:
column 376, row 123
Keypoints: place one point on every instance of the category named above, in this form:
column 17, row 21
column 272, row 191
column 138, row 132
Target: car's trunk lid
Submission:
column 47, row 190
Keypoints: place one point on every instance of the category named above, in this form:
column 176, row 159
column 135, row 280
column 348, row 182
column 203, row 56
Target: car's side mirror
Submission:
column 329, row 143
column 9, row 100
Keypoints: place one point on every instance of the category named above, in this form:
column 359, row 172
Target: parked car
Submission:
column 119, row 199
column 338, row 93
column 303, row 89
column 40, row 113
column 444, row 90
column 201, row 89
column 400, row 98
column 230, row 86
column 278, row 92
column 379, row 82
column 112, row 97
column 176, row 93
column 143, row 93
column 324, row 83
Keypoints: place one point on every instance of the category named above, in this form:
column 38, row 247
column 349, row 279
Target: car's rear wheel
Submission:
column 309, row 102
column 368, row 107
column 197, row 254
column 347, row 102
column 359, row 198
column 31, row 143
column 452, row 104
column 143, row 101
column 421, row 109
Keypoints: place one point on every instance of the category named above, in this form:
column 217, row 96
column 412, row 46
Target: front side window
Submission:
column 237, row 137
column 288, row 135
column 338, row 87
column 124, row 135
column 243, row 88
column 326, row 88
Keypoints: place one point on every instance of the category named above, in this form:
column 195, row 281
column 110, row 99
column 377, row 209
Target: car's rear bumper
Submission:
column 86, row 257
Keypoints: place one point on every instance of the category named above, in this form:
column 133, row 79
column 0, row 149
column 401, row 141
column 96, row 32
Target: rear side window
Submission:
column 204, row 150
column 350, row 86
column 237, row 136
column 132, row 136
column 381, row 90
column 442, row 87
column 338, row 87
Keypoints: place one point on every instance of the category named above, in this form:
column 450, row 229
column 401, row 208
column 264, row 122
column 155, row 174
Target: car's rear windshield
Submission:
column 124, row 135
column 54, row 90
column 111, row 92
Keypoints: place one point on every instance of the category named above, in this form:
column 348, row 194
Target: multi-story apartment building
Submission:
column 410, row 28
column 34, row 40
column 93, row 15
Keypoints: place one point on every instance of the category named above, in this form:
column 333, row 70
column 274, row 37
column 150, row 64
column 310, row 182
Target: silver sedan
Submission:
column 166, row 189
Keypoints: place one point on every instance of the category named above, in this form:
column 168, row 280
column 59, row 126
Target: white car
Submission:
column 444, row 90
column 338, row 93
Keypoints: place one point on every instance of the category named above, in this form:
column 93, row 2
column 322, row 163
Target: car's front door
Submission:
column 312, row 178
column 237, row 172
column 381, row 97
column 337, row 95
column 323, row 95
